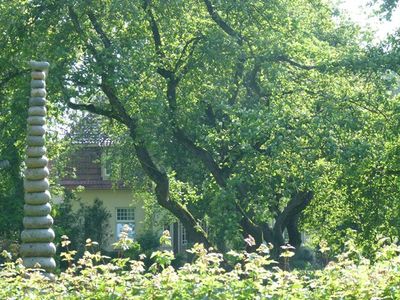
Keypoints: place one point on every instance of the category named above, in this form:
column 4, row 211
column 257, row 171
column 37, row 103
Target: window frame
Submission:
column 130, row 222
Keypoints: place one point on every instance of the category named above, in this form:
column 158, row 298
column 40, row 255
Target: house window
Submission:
column 181, row 237
column 184, row 240
column 105, row 166
column 125, row 216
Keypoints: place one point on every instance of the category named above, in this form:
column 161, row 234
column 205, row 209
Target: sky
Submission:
column 361, row 13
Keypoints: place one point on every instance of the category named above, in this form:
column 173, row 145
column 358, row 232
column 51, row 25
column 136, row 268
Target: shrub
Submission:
column 89, row 221
column 251, row 276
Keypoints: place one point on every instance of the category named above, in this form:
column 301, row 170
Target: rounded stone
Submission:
column 36, row 120
column 36, row 130
column 39, row 65
column 36, row 162
column 36, row 151
column 32, row 140
column 38, row 75
column 37, row 111
column 37, row 222
column 46, row 263
column 37, row 249
column 38, row 93
column 37, row 101
column 37, row 210
column 37, row 198
column 36, row 186
column 37, row 235
column 38, row 83
column 37, row 173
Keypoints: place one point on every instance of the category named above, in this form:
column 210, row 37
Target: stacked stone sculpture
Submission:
column 37, row 249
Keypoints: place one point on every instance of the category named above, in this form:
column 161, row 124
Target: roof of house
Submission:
column 85, row 161
column 88, row 131
column 85, row 164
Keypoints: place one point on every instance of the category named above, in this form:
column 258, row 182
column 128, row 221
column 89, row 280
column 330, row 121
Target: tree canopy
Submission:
column 256, row 116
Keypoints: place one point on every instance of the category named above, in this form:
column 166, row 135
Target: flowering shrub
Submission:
column 248, row 276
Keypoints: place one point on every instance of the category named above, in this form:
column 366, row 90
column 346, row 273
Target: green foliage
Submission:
column 387, row 7
column 251, row 276
column 14, row 93
column 237, row 108
column 126, row 246
column 87, row 221
column 148, row 241
column 96, row 218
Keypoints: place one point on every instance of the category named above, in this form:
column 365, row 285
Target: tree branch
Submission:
column 99, row 30
column 118, row 112
column 207, row 159
column 239, row 40
column 221, row 23
column 297, row 203
column 75, row 21
column 154, row 28
column 253, row 86
column 193, row 41
column 117, row 105
column 291, row 62
column 161, row 180
column 203, row 155
column 118, row 109
column 236, row 80
column 95, row 110
column 173, row 80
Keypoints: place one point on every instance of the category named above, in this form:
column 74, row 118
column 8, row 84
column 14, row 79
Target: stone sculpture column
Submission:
column 37, row 247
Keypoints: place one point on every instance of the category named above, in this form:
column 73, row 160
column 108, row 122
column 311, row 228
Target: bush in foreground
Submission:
column 252, row 276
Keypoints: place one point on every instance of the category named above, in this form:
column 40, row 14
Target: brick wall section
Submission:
column 86, row 163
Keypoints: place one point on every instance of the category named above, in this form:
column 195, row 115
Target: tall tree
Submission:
column 13, row 111
column 249, row 107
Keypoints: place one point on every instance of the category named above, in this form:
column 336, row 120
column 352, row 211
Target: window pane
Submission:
column 183, row 235
column 125, row 214
column 131, row 232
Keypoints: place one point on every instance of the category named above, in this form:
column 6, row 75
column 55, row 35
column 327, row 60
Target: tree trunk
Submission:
column 161, row 180
column 288, row 219
column 293, row 231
